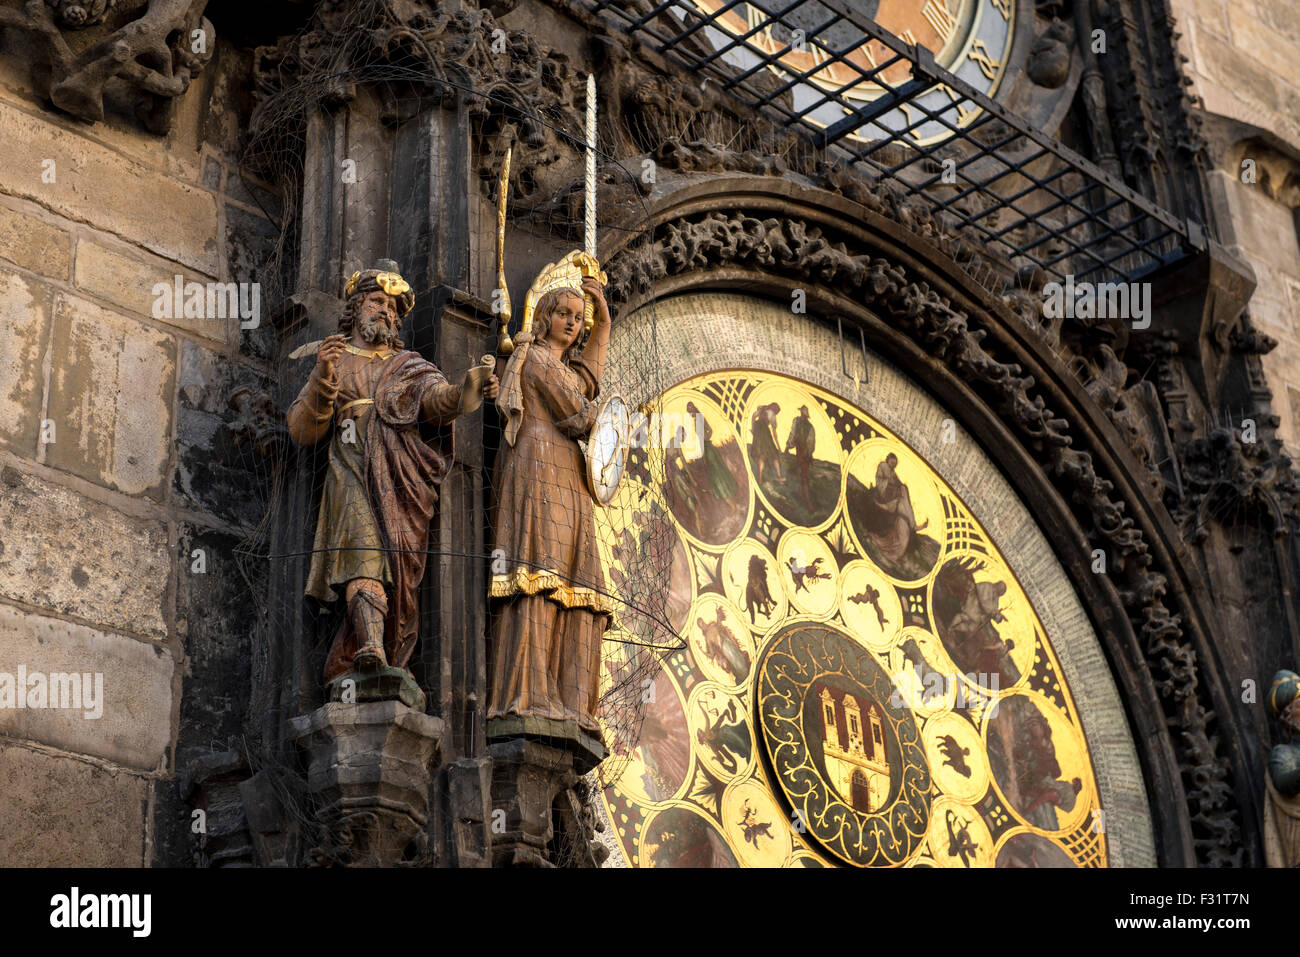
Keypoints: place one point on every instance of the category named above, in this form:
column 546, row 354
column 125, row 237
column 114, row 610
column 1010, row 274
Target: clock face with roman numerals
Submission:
column 969, row 38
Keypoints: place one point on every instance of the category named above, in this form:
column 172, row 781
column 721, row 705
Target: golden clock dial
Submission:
column 861, row 679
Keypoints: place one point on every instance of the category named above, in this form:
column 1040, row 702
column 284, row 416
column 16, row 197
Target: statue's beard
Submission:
column 377, row 333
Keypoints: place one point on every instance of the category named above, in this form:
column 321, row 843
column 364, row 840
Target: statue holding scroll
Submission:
column 388, row 413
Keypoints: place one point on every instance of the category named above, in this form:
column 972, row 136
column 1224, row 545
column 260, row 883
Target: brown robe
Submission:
column 548, row 590
column 380, row 490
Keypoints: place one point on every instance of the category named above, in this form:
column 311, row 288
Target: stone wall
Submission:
column 1245, row 67
column 116, row 465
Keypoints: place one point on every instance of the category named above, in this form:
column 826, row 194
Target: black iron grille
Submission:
column 986, row 171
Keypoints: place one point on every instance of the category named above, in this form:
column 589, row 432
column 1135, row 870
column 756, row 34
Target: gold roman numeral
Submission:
column 980, row 54
column 944, row 23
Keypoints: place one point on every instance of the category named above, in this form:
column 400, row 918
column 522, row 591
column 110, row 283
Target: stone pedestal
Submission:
column 564, row 734
column 527, row 776
column 370, row 766
column 386, row 684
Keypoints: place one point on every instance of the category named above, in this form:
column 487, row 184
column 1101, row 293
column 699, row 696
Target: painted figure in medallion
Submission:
column 886, row 519
column 801, row 442
column 764, row 452
column 372, row 397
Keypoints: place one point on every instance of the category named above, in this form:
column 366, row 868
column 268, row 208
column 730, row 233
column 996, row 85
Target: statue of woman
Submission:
column 549, row 609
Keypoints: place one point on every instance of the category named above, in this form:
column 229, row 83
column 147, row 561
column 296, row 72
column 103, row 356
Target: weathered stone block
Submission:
column 214, row 472
column 129, row 282
column 110, row 398
column 1263, row 42
column 68, row 813
column 1236, row 70
column 121, row 712
column 175, row 220
column 61, row 551
column 34, row 244
column 24, row 333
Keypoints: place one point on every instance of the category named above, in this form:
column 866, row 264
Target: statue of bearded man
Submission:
column 375, row 397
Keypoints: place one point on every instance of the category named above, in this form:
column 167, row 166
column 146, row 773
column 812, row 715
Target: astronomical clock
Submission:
column 972, row 39
column 878, row 661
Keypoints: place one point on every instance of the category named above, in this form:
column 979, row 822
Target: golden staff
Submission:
column 504, row 345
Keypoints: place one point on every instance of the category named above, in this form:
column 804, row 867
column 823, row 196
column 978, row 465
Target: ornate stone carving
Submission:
column 256, row 421
column 156, row 52
column 515, row 93
column 1221, row 471
column 1157, row 129
column 792, row 247
column 80, row 13
column 369, row 773
column 1049, row 58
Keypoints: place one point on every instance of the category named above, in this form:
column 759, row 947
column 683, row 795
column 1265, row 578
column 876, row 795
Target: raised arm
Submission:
column 593, row 353
column 310, row 414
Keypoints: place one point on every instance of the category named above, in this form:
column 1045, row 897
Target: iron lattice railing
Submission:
column 983, row 168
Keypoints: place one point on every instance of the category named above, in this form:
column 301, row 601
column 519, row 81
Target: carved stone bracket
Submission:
column 156, row 52
column 211, row 786
column 527, row 777
column 370, row 767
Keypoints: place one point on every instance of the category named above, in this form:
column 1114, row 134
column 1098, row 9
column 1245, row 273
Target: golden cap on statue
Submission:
column 565, row 274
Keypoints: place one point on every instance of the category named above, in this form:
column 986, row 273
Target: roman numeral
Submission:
column 943, row 22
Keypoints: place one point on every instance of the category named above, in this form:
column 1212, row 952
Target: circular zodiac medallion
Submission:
column 850, row 762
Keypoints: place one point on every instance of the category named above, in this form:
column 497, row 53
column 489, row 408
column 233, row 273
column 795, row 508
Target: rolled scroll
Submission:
column 471, row 393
